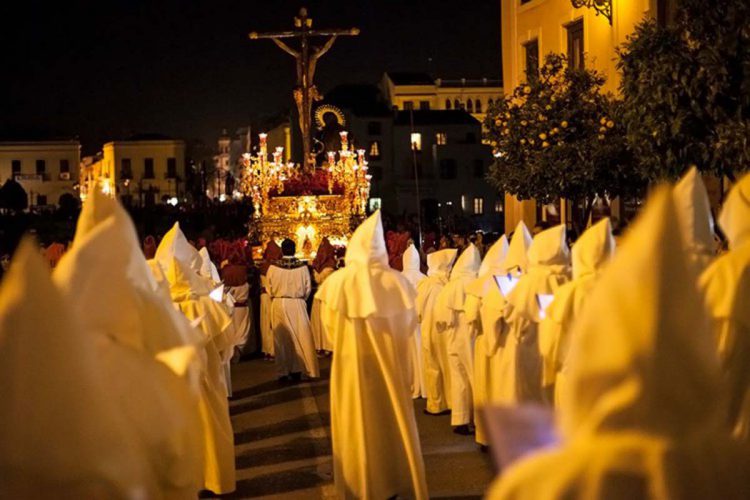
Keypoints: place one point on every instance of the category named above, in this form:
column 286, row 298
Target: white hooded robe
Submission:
column 411, row 266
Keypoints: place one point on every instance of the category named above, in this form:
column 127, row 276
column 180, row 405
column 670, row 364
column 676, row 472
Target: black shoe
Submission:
column 440, row 414
column 296, row 377
column 463, row 430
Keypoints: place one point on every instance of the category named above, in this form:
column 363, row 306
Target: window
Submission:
column 408, row 105
column 448, row 168
column 424, row 105
column 171, row 168
column 441, row 138
column 499, row 206
column 490, row 102
column 447, row 104
column 148, row 168
column 457, row 104
column 375, row 204
column 478, row 206
column 64, row 167
column 374, row 128
column 478, row 106
column 374, row 150
column 471, row 138
column 41, row 167
column 531, row 50
column 478, row 168
column 41, row 200
column 416, row 141
column 15, row 166
column 575, row 44
column 126, row 169
column 469, row 106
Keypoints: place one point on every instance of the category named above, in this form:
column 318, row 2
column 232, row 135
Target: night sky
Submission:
column 110, row 68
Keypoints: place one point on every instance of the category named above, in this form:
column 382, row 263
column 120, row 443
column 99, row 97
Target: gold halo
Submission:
column 321, row 110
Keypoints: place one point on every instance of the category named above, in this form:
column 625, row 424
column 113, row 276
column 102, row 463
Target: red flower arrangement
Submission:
column 308, row 184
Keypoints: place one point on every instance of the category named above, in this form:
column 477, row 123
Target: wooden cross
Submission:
column 307, row 58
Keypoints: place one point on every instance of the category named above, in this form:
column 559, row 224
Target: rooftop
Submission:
column 408, row 78
column 435, row 117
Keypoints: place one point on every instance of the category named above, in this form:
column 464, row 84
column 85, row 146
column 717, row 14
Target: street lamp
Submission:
column 603, row 7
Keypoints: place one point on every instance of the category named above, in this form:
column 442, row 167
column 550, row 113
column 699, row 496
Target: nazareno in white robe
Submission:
column 646, row 413
column 726, row 288
column 292, row 333
column 437, row 382
column 696, row 222
column 266, row 332
column 451, row 319
column 415, row 371
column 320, row 336
column 61, row 431
column 520, row 370
column 369, row 309
column 105, row 266
column 472, row 309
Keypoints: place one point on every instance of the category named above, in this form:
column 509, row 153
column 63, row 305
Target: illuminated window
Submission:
column 499, row 205
column 478, row 206
column 416, row 141
column 375, row 204
column 374, row 149
column 447, row 104
column 575, row 44
column 441, row 138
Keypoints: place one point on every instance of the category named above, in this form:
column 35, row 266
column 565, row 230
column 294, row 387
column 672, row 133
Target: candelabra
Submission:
column 261, row 176
column 350, row 172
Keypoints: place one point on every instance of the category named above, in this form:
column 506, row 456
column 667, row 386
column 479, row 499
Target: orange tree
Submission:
column 558, row 136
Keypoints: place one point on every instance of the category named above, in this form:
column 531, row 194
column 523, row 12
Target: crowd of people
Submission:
column 622, row 368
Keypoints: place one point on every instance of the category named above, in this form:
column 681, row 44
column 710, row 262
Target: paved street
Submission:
column 282, row 439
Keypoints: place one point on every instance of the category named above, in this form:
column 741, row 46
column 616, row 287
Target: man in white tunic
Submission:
column 289, row 287
column 695, row 219
column 520, row 375
column 437, row 380
column 323, row 266
column 451, row 320
column 491, row 265
column 369, row 309
column 412, row 273
column 62, row 434
column 646, row 413
column 726, row 286
column 591, row 253
column 271, row 254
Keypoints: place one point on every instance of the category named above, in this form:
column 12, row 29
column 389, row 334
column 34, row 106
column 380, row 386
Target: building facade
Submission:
column 46, row 170
column 420, row 91
column 141, row 171
column 589, row 37
column 427, row 160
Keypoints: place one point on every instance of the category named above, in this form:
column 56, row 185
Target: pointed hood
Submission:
column 412, row 265
column 208, row 269
column 694, row 216
column 325, row 257
column 175, row 244
column 60, row 425
column 643, row 359
column 184, row 283
column 453, row 296
column 734, row 218
column 439, row 263
column 97, row 207
column 491, row 264
column 549, row 268
column 467, row 264
column 593, row 249
column 367, row 287
column 517, row 256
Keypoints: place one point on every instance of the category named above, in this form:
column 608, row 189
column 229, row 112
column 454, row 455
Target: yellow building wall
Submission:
column 546, row 21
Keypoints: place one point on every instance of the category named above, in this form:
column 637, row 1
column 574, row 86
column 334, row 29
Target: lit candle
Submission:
column 344, row 140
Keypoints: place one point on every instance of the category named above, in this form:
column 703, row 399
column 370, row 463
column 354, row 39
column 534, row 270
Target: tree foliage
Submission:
column 686, row 90
column 559, row 136
column 13, row 197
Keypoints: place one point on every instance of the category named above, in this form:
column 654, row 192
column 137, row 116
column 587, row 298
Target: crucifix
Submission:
column 307, row 58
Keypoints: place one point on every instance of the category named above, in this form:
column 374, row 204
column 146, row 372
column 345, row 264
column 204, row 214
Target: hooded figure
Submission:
column 452, row 322
column 520, row 368
column 411, row 266
column 271, row 254
column 475, row 291
column 61, row 430
column 323, row 266
column 208, row 269
column 726, row 286
column 593, row 250
column 234, row 277
column 370, row 311
column 175, row 244
column 695, row 219
column 148, row 356
column 645, row 419
column 437, row 381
